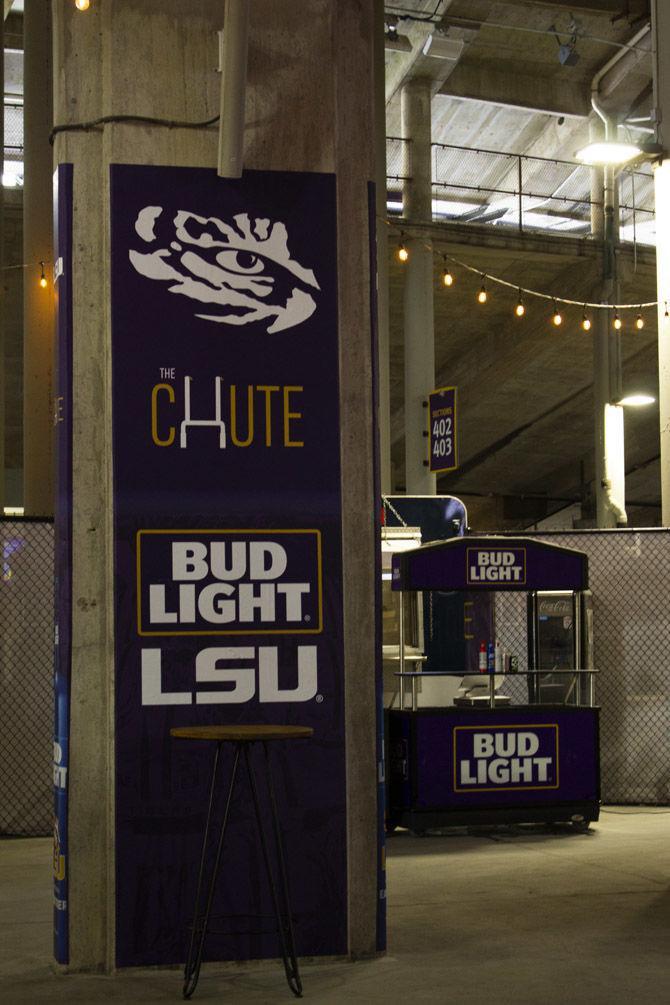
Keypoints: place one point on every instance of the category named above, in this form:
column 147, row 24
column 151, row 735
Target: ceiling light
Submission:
column 637, row 400
column 608, row 153
column 82, row 4
column 394, row 41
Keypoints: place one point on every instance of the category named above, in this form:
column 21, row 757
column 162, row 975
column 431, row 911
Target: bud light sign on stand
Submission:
column 442, row 429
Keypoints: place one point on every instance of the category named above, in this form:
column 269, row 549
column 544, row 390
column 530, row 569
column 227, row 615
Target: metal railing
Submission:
column 528, row 193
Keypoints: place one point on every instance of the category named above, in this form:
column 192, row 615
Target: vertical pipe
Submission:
column 660, row 21
column 2, row 274
column 38, row 304
column 520, row 182
column 419, row 334
column 233, row 89
column 383, row 340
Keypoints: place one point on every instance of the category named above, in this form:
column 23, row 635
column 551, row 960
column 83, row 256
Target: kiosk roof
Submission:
column 490, row 563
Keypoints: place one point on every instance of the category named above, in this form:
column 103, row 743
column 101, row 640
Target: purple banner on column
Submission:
column 442, row 429
column 63, row 549
column 227, row 545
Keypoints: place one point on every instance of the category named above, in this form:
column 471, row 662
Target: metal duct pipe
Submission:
column 233, row 88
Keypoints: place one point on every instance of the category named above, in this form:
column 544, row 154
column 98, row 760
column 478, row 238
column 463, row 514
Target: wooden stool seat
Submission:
column 242, row 734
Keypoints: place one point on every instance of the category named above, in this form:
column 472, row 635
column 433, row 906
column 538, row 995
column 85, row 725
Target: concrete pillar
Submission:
column 610, row 497
column 383, row 340
column 309, row 107
column 38, row 304
column 660, row 19
column 419, row 333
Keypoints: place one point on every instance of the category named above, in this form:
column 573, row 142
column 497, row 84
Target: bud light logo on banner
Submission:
column 499, row 566
column 506, row 758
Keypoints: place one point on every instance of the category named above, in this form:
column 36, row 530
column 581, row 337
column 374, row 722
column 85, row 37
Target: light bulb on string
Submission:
column 483, row 296
column 82, row 4
column 43, row 278
column 617, row 321
column 586, row 321
column 520, row 310
column 557, row 316
column 402, row 252
column 447, row 278
column 639, row 322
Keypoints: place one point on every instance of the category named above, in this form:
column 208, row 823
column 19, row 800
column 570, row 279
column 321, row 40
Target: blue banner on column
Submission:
column 227, row 544
column 63, row 548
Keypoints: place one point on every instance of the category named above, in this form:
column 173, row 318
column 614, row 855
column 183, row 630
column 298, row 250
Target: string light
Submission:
column 520, row 309
column 402, row 252
column 447, row 278
column 43, row 278
column 666, row 310
column 82, row 4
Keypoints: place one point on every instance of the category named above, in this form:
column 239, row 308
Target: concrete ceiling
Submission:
column 525, row 388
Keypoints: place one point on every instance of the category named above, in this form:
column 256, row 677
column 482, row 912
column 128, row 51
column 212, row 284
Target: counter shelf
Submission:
column 415, row 675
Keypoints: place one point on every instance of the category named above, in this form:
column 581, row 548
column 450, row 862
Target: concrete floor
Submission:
column 507, row 916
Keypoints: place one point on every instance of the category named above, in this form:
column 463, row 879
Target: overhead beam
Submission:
column 583, row 6
column 477, row 82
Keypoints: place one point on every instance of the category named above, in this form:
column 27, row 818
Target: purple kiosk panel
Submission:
column 227, row 544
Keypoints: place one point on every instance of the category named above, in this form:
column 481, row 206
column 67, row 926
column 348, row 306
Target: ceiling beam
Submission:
column 496, row 86
column 584, row 6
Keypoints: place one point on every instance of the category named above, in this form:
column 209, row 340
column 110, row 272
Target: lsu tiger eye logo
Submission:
column 235, row 273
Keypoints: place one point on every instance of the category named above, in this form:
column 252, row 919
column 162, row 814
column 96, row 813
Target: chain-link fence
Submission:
column 26, row 677
column 629, row 574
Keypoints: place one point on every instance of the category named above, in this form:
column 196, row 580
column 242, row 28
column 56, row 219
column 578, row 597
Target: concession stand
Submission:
column 485, row 758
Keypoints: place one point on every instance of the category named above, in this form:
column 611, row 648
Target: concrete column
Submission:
column 383, row 341
column 419, row 333
column 610, row 497
column 38, row 304
column 309, row 107
column 660, row 20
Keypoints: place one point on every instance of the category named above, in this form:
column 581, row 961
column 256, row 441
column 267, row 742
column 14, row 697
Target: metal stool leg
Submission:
column 195, row 950
column 284, row 925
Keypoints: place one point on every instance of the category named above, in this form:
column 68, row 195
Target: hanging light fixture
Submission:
column 520, row 310
column 617, row 321
column 483, row 296
column 586, row 321
column 402, row 253
column 43, row 278
column 557, row 316
column 82, row 4
column 639, row 322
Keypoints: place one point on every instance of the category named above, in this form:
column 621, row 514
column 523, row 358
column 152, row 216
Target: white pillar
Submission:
column 383, row 341
column 660, row 18
column 419, row 333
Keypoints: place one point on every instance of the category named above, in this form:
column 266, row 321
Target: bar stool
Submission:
column 242, row 737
